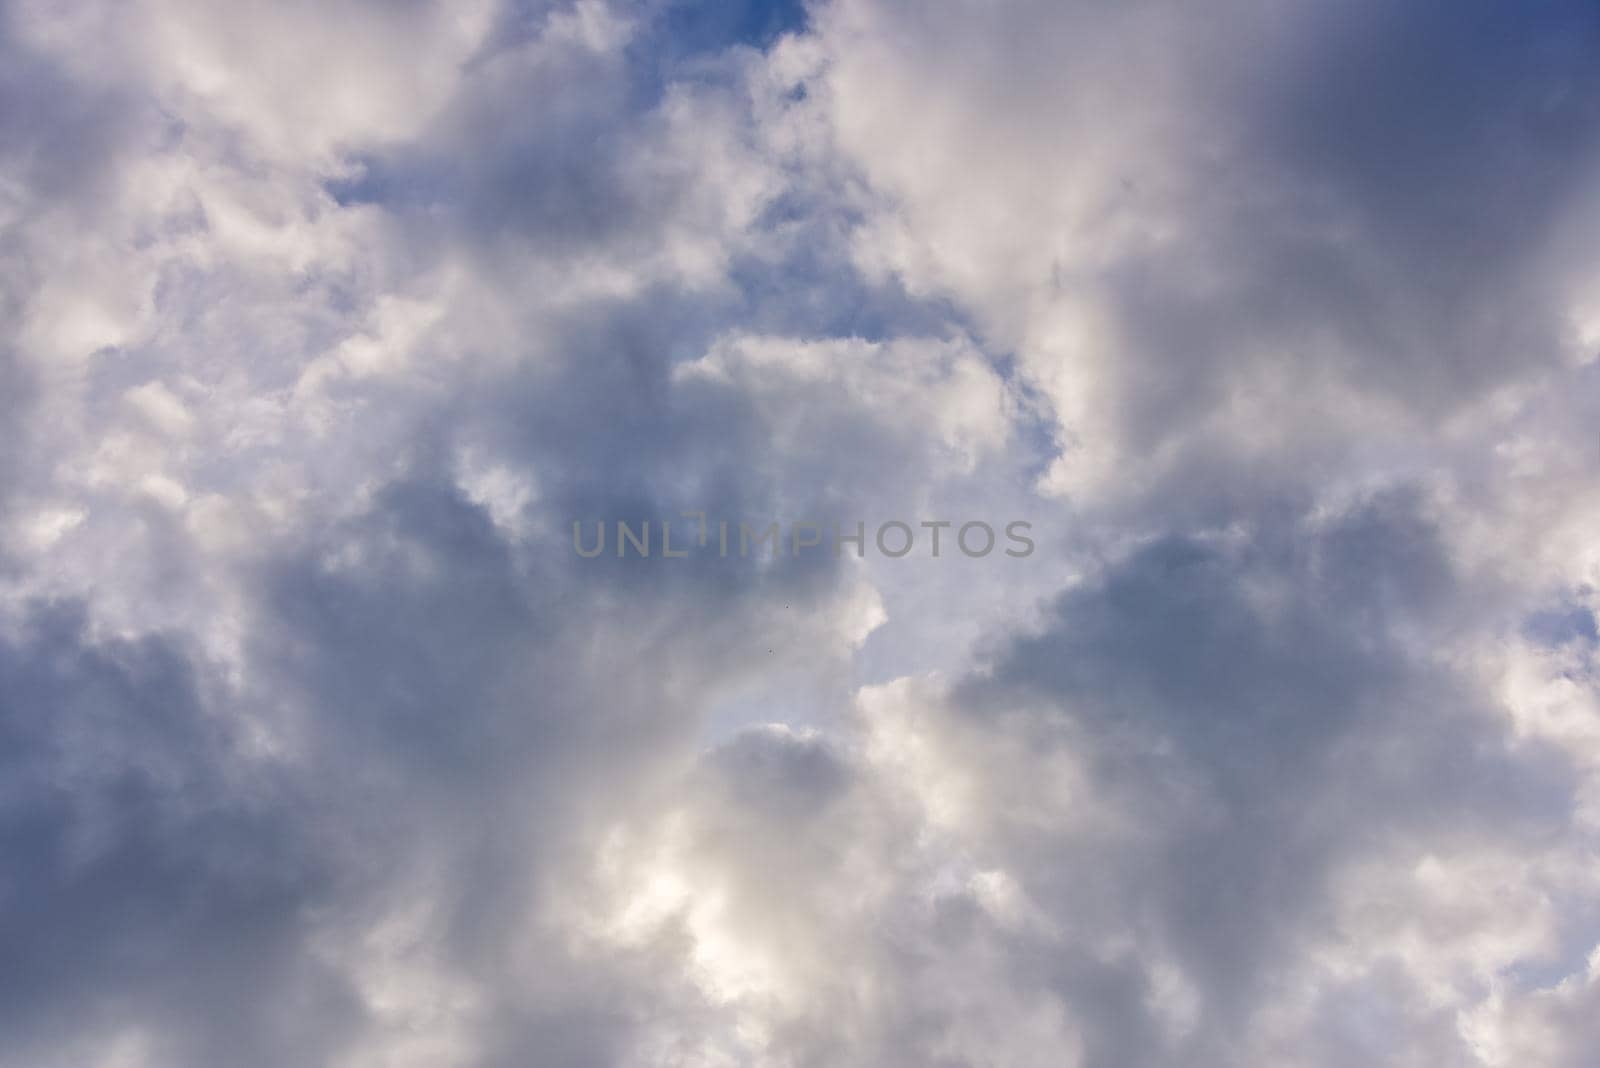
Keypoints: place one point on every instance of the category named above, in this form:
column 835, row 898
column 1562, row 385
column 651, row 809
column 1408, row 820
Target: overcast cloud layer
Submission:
column 323, row 321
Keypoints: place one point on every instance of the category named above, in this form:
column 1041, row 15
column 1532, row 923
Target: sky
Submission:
column 1276, row 323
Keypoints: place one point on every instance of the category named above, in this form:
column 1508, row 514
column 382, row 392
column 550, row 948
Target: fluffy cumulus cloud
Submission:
column 322, row 743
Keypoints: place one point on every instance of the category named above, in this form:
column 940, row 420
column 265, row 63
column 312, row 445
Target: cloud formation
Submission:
column 323, row 323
